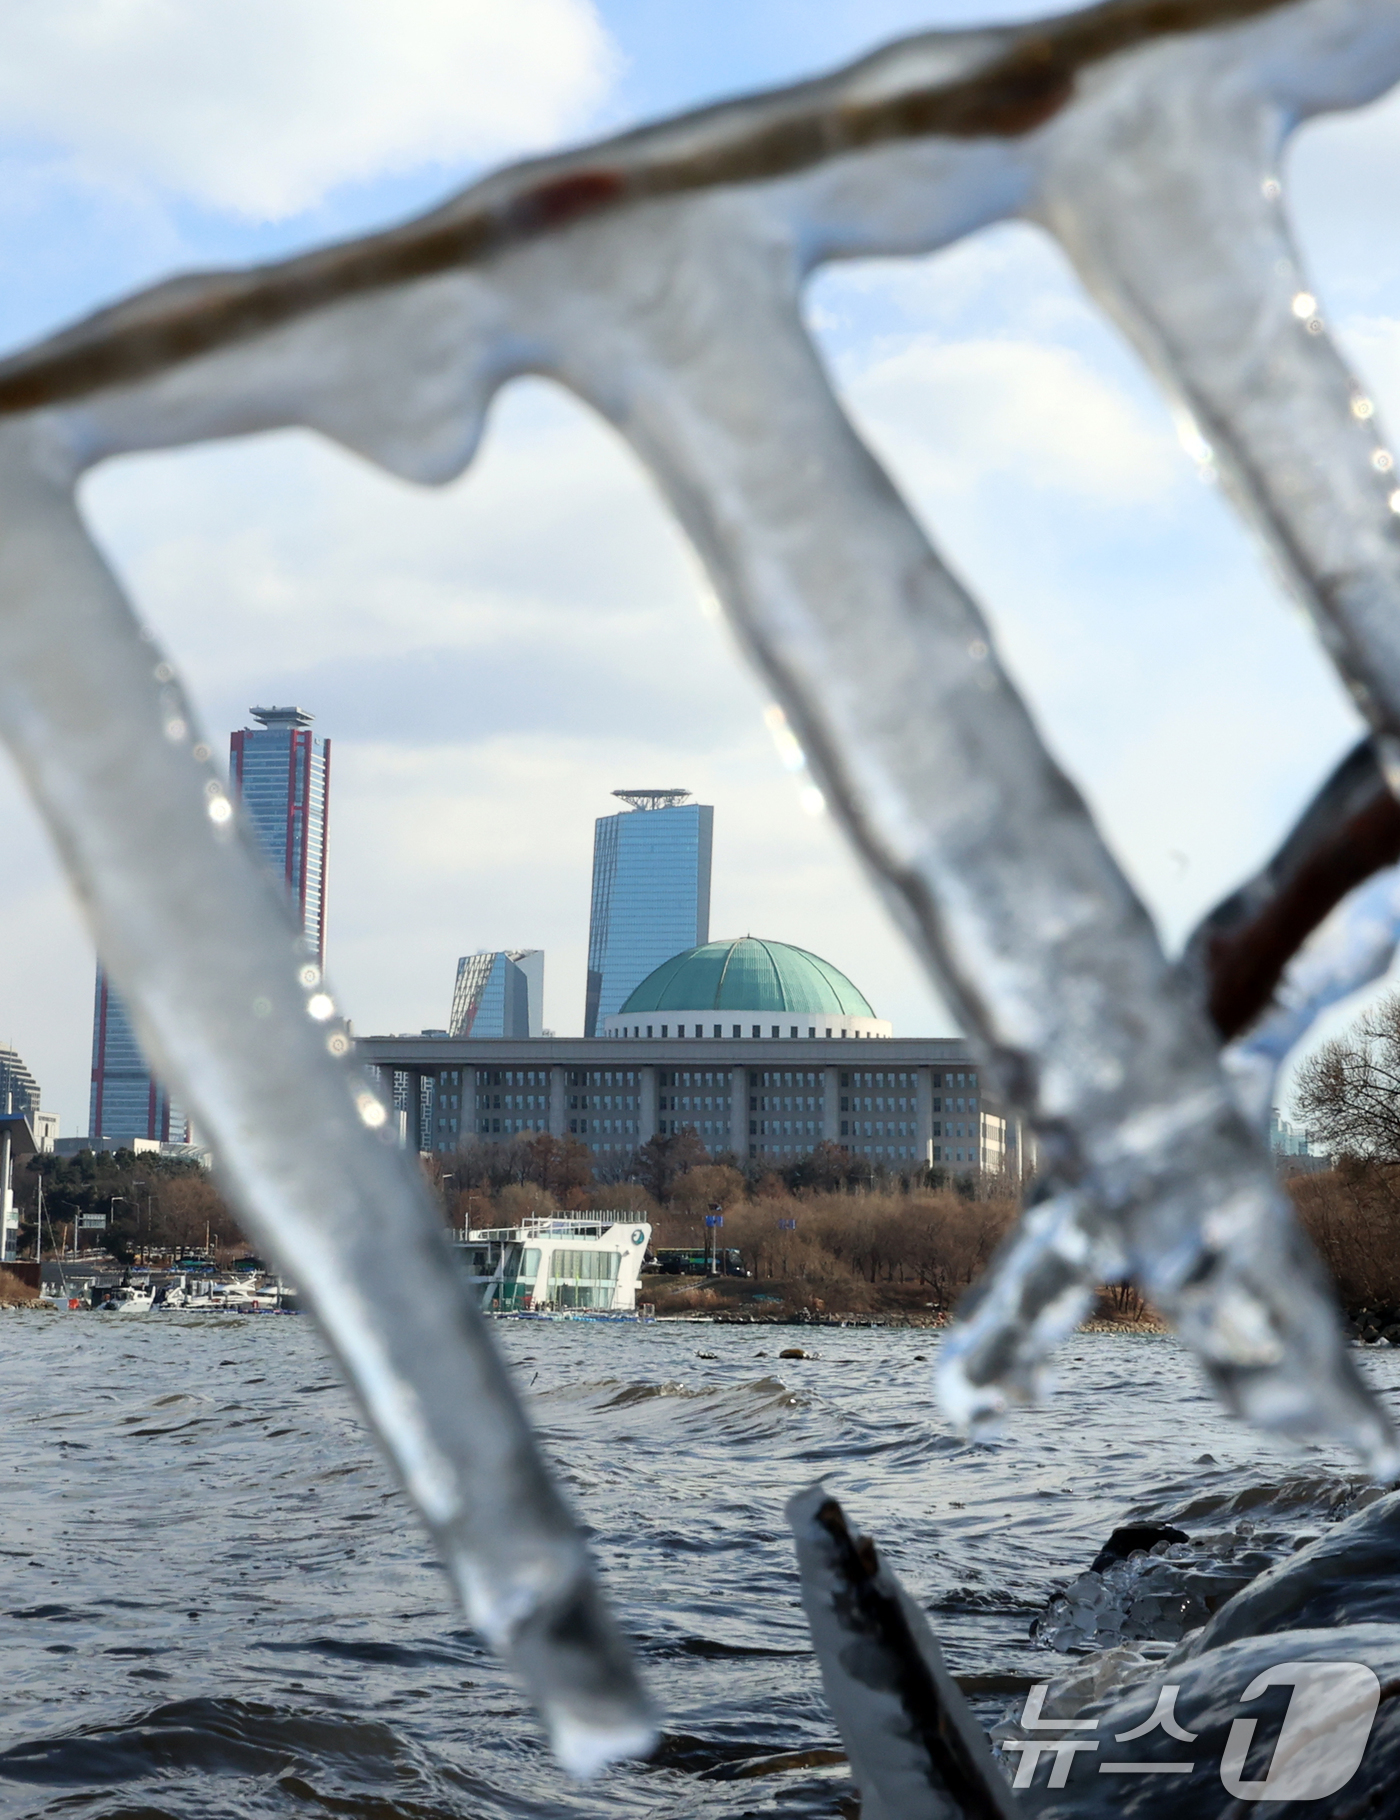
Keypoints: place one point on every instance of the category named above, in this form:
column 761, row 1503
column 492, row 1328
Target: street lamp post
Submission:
column 112, row 1200
column 140, row 1249
column 712, row 1221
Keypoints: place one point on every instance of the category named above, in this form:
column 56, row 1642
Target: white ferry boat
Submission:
column 578, row 1264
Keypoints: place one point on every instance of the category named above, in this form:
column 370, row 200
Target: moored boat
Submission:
column 583, row 1266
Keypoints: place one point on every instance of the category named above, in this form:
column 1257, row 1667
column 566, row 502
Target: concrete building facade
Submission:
column 17, row 1141
column 906, row 1103
column 651, row 893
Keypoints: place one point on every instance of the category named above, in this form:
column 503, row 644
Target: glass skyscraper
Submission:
column 19, row 1091
column 126, row 1100
column 281, row 771
column 651, row 893
column 499, row 994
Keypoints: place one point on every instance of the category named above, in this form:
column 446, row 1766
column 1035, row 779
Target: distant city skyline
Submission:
column 495, row 655
column 652, row 865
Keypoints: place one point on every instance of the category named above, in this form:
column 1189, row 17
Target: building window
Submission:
column 755, row 1030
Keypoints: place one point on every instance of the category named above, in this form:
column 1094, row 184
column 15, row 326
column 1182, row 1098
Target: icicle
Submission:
column 228, row 1003
column 916, row 1751
column 658, row 275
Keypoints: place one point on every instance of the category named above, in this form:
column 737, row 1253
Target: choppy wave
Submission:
column 771, row 1392
column 217, row 1603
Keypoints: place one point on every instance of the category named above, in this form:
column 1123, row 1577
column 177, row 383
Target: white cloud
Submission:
column 264, row 106
column 959, row 412
column 287, row 543
column 492, row 658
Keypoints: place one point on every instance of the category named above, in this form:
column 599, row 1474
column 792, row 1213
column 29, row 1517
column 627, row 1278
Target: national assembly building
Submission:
column 763, row 1049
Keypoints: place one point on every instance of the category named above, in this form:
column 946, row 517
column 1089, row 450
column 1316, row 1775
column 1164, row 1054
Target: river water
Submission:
column 217, row 1602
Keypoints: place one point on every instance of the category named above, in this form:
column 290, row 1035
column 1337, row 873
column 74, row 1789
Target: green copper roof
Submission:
column 748, row 975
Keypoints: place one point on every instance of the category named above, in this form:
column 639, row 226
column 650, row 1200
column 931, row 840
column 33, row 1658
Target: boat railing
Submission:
column 562, row 1224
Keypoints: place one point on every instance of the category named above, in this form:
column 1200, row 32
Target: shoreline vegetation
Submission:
column 16, row 1293
column 826, row 1239
column 763, row 1302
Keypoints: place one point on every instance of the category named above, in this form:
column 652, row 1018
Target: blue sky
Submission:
column 492, row 659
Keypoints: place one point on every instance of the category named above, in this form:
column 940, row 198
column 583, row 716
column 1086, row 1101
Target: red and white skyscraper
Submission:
column 281, row 771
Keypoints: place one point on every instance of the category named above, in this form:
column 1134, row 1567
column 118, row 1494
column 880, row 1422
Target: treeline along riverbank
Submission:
column 827, row 1236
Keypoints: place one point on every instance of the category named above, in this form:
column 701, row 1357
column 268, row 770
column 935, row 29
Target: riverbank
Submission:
column 762, row 1302
column 16, row 1293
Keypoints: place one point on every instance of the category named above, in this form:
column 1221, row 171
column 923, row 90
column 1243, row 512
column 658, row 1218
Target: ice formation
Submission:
column 659, row 276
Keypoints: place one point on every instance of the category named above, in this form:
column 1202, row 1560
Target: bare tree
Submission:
column 1348, row 1092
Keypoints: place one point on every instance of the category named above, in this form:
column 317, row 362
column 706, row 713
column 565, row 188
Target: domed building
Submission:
column 747, row 988
column 762, row 1050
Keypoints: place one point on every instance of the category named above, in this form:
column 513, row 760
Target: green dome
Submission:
column 748, row 975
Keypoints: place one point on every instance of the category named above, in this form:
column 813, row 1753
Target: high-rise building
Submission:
column 499, row 994
column 125, row 1099
column 281, row 771
column 19, row 1091
column 651, row 893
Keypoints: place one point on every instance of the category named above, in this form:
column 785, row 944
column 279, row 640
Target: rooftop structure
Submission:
column 653, row 799
column 736, row 989
column 282, row 717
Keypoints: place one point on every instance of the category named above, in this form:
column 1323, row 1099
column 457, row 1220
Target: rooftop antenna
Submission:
column 652, row 799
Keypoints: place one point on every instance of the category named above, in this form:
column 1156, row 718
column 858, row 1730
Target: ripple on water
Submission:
column 214, row 1516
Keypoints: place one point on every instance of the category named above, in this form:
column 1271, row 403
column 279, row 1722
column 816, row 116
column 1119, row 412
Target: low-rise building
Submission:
column 16, row 1142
